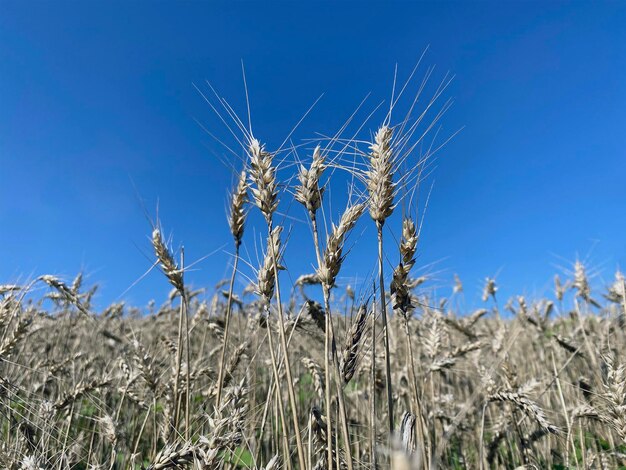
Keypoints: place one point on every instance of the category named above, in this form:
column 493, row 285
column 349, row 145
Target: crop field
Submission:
column 120, row 389
column 314, row 374
column 299, row 370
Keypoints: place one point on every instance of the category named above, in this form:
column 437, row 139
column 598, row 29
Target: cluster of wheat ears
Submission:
column 391, row 378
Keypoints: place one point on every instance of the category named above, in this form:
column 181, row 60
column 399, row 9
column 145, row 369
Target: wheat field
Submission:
column 315, row 375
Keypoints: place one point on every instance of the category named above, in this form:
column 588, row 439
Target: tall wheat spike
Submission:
column 380, row 187
column 309, row 194
column 265, row 196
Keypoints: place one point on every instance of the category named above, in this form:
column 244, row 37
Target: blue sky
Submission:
column 99, row 118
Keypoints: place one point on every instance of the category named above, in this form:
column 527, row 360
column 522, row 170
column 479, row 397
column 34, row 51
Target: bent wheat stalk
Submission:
column 175, row 275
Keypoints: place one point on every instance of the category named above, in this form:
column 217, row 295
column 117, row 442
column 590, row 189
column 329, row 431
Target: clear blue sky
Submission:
column 97, row 105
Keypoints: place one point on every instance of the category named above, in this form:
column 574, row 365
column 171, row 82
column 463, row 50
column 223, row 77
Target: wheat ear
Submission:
column 308, row 192
column 353, row 342
column 167, row 262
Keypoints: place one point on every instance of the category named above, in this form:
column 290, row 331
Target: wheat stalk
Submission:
column 265, row 196
column 236, row 221
column 266, row 281
column 174, row 274
column 380, row 187
column 329, row 265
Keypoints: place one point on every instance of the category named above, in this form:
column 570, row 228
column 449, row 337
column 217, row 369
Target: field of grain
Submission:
column 314, row 376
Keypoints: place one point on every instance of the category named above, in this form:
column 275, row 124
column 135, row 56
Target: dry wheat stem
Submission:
column 220, row 379
column 383, row 308
column 273, row 383
column 265, row 288
column 340, row 395
column 281, row 331
column 236, row 222
column 372, row 404
column 184, row 302
column 381, row 188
